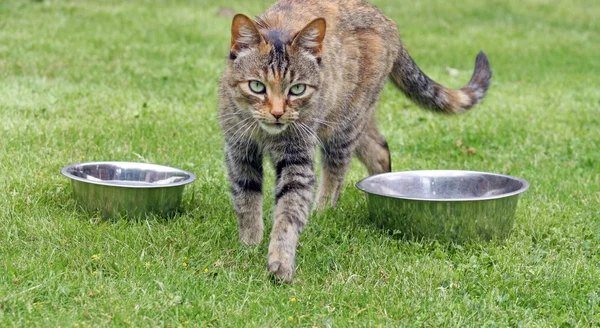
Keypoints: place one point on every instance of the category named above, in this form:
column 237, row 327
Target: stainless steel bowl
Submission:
column 127, row 188
column 444, row 204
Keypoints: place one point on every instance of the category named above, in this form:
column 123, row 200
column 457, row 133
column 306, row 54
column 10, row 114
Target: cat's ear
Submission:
column 244, row 34
column 311, row 37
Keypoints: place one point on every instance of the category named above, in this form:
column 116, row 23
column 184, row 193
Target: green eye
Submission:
column 257, row 87
column 298, row 89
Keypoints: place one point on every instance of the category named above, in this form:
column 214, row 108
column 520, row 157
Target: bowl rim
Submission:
column 191, row 177
column 525, row 185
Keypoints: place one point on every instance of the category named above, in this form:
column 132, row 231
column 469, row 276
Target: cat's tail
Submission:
column 433, row 96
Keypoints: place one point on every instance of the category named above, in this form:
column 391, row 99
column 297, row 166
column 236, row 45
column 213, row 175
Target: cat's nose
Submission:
column 277, row 113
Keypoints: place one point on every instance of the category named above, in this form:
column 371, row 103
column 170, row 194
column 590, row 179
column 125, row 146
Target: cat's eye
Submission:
column 257, row 87
column 298, row 90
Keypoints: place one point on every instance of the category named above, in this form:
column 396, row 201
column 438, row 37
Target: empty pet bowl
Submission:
column 127, row 188
column 444, row 204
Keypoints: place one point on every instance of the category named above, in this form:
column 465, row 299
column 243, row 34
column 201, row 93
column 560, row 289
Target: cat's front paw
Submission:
column 281, row 266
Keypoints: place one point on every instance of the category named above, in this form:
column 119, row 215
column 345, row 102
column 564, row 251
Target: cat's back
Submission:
column 343, row 17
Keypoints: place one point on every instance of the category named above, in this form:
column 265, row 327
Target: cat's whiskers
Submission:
column 220, row 116
column 242, row 122
column 235, row 135
column 304, row 137
column 227, row 115
column 303, row 132
column 299, row 133
column 323, row 122
column 319, row 141
column 311, row 134
column 227, row 120
column 249, row 140
column 247, row 127
column 316, row 136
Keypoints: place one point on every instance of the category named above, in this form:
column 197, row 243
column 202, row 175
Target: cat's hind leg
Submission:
column 370, row 147
column 373, row 150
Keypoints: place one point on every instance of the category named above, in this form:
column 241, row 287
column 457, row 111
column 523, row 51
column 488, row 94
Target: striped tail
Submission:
column 431, row 95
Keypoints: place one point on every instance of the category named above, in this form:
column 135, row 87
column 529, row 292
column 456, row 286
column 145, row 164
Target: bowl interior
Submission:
column 128, row 174
column 443, row 185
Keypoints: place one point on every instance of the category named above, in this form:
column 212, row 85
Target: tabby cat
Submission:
column 307, row 74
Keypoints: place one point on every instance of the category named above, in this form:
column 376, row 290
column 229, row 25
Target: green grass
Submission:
column 137, row 80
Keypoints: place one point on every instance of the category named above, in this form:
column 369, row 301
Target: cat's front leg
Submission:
column 293, row 197
column 245, row 170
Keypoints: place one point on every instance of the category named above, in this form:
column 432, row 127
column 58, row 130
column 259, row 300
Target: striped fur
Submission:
column 342, row 51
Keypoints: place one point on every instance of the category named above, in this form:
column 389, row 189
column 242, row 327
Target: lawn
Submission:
column 137, row 81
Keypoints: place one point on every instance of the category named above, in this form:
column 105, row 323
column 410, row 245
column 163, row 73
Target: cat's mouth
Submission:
column 273, row 128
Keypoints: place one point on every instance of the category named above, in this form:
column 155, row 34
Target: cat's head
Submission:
column 274, row 73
